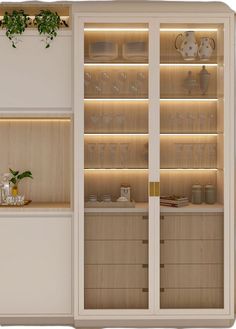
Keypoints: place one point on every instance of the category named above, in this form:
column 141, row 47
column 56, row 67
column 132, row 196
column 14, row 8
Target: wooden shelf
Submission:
column 39, row 207
column 139, row 207
column 217, row 207
column 143, row 207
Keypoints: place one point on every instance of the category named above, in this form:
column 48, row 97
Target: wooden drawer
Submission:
column 116, row 299
column 116, row 252
column 192, row 226
column 192, row 276
column 192, row 298
column 191, row 251
column 116, row 226
column 116, row 276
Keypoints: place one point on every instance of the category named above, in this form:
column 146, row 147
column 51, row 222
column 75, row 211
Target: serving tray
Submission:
column 16, row 205
column 117, row 204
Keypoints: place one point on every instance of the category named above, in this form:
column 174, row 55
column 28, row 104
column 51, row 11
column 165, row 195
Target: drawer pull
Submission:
column 162, row 290
column 145, row 266
column 144, row 241
column 162, row 241
column 144, row 289
column 162, row 266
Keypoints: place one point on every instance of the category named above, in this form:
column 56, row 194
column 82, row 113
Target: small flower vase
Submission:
column 14, row 190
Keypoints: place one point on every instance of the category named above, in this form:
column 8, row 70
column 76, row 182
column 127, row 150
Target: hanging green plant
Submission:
column 15, row 24
column 48, row 24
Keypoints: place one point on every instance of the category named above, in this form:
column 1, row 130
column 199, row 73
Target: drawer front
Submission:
column 116, row 299
column 116, row 227
column 116, row 276
column 192, row 298
column 191, row 251
column 187, row 226
column 192, row 276
column 116, row 252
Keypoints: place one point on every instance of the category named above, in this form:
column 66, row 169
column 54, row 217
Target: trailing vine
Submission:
column 48, row 23
column 15, row 24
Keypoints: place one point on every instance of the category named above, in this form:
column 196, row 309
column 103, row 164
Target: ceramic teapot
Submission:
column 207, row 45
column 188, row 47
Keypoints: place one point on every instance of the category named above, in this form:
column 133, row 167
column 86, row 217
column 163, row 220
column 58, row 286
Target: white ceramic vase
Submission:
column 207, row 45
column 188, row 47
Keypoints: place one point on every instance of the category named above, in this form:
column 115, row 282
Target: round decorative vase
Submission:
column 205, row 50
column 190, row 83
column 197, row 194
column 188, row 47
column 210, row 194
column 204, row 77
column 14, row 190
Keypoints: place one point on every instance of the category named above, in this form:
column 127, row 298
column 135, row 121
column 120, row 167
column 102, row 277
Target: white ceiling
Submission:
column 231, row 3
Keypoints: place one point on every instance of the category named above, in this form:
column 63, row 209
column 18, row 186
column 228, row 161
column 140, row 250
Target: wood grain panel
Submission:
column 116, row 87
column 172, row 82
column 44, row 147
column 116, row 276
column 109, row 182
column 191, row 251
column 116, row 117
column 189, row 117
column 192, row 226
column 192, row 298
column 116, row 227
column 167, row 45
column 119, row 151
column 31, row 9
column 116, row 252
column 118, row 37
column 180, row 182
column 192, row 276
column 116, row 299
column 188, row 152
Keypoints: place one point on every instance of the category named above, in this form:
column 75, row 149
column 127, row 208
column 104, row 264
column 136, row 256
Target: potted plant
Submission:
column 48, row 24
column 16, row 178
column 15, row 24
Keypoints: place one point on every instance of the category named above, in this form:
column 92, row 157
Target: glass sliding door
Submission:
column 116, row 139
column 192, row 166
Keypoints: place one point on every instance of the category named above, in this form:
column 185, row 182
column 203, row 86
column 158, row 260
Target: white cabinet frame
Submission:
column 154, row 311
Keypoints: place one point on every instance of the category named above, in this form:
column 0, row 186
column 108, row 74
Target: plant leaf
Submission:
column 13, row 172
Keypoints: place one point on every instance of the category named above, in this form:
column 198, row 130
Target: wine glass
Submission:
column 101, row 153
column 124, row 154
column 112, row 154
column 91, row 154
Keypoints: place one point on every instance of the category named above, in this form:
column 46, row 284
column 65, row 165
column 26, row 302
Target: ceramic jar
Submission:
column 189, row 83
column 207, row 45
column 125, row 192
column 188, row 47
column 197, row 194
column 204, row 77
column 210, row 194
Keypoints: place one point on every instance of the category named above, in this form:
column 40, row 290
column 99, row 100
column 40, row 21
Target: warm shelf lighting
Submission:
column 115, row 169
column 188, row 169
column 116, row 64
column 187, row 64
column 34, row 120
column 188, row 29
column 114, row 134
column 200, row 134
column 116, row 29
column 189, row 99
column 116, row 99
